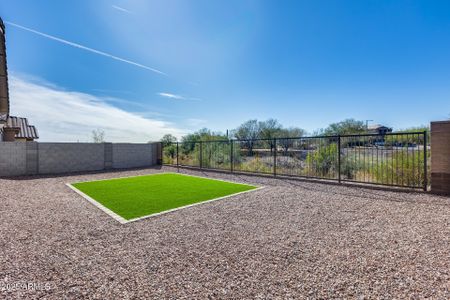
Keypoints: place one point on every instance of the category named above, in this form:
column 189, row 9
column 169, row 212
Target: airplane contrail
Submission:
column 122, row 9
column 85, row 48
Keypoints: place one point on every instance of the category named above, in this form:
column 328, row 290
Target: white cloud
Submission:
column 79, row 46
column 65, row 116
column 172, row 96
column 177, row 97
column 122, row 9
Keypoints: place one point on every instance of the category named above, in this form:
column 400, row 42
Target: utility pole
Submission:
column 367, row 124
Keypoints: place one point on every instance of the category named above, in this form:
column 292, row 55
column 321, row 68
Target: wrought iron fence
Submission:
column 394, row 159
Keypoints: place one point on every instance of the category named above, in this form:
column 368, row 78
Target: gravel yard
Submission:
column 292, row 239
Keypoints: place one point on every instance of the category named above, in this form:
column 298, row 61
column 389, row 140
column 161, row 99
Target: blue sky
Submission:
column 154, row 67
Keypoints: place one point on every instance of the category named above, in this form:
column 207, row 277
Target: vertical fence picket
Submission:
column 231, row 155
column 275, row 157
column 201, row 155
column 425, row 158
column 339, row 158
column 178, row 155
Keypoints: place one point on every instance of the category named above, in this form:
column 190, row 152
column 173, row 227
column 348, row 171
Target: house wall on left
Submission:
column 32, row 158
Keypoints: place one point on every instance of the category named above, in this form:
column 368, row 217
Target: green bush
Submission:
column 255, row 164
column 402, row 168
column 169, row 154
column 323, row 161
column 216, row 155
column 349, row 168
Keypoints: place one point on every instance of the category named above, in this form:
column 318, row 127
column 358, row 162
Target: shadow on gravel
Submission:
column 368, row 192
column 44, row 176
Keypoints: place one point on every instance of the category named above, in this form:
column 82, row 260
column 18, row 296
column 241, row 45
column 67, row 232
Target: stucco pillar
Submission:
column 440, row 157
column 159, row 154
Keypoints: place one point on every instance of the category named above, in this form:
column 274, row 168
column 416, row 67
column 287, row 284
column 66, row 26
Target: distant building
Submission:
column 11, row 128
column 378, row 129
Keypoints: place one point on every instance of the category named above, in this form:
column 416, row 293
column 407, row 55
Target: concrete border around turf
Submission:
column 98, row 205
column 158, row 173
column 122, row 220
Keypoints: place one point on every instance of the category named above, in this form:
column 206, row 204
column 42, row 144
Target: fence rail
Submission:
column 393, row 159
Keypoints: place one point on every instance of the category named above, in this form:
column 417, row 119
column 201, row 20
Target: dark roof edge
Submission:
column 2, row 29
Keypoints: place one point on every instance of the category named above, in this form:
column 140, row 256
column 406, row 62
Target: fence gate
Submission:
column 392, row 159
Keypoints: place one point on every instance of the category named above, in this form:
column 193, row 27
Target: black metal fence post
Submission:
column 178, row 155
column 231, row 155
column 201, row 155
column 425, row 158
column 339, row 158
column 275, row 157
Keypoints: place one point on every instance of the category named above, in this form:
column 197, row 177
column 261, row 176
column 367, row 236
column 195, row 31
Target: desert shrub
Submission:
column 256, row 164
column 402, row 168
column 349, row 168
column 169, row 153
column 216, row 155
column 323, row 161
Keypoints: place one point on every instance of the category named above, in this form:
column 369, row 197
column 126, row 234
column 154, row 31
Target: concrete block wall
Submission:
column 13, row 158
column 57, row 158
column 31, row 158
column 440, row 157
column 108, row 156
column 133, row 155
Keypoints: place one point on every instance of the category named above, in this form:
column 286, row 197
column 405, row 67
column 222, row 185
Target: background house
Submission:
column 378, row 129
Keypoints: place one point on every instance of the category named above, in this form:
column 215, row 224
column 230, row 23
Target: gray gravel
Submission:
column 292, row 239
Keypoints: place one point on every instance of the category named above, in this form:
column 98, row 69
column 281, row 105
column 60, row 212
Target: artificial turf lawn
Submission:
column 140, row 196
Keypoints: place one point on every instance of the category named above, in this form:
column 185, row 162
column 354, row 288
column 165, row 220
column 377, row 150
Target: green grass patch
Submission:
column 140, row 196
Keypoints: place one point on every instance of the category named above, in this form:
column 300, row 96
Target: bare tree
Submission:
column 270, row 129
column 169, row 146
column 287, row 136
column 98, row 136
column 168, row 139
column 248, row 132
